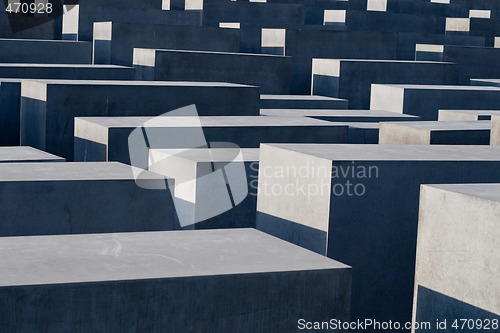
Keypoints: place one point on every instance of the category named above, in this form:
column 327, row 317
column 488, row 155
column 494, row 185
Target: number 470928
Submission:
column 477, row 324
column 29, row 8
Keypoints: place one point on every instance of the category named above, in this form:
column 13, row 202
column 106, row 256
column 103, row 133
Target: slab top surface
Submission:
column 475, row 112
column 301, row 98
column 374, row 152
column 39, row 260
column 440, row 87
column 209, row 155
column 485, row 191
column 446, row 125
column 60, row 65
column 333, row 113
column 24, row 153
column 139, row 83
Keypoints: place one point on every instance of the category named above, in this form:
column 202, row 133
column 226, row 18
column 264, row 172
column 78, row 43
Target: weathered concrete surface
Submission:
column 162, row 281
column 301, row 102
column 26, row 154
column 495, row 130
column 426, row 100
column 71, row 198
column 351, row 79
column 196, row 183
column 114, row 42
column 359, row 204
column 107, row 138
column 456, row 273
column 270, row 72
column 436, row 133
column 44, row 51
column 44, row 126
column 340, row 115
column 466, row 115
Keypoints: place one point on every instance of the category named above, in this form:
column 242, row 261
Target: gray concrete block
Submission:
column 487, row 82
column 352, row 79
column 195, row 183
column 456, row 262
column 106, row 138
column 426, row 100
column 71, row 198
column 472, row 62
column 340, row 115
column 495, row 130
column 44, row 126
column 301, row 102
column 40, row 28
column 225, row 280
column 81, row 28
column 66, row 71
column 114, row 41
column 359, row 204
column 436, row 133
column 44, row 51
column 466, row 115
column 270, row 72
column 26, row 154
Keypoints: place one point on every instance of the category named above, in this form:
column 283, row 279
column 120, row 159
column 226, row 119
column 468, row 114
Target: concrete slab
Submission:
column 44, row 126
column 44, row 51
column 340, row 115
column 26, row 154
column 488, row 82
column 114, row 41
column 495, row 130
column 71, row 198
column 351, row 79
column 426, row 100
column 301, row 102
column 41, row 28
column 196, row 185
column 472, row 62
column 127, row 273
column 66, row 71
column 106, row 138
column 466, row 115
column 436, row 133
column 359, row 204
column 271, row 73
column 456, row 276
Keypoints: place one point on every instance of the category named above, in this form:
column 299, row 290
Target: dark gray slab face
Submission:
column 301, row 102
column 418, row 7
column 426, row 100
column 447, row 288
column 44, row 51
column 340, row 115
column 436, row 132
column 195, row 166
column 71, row 198
column 487, row 82
column 45, row 30
column 352, row 79
column 82, row 29
column 208, row 274
column 107, row 138
column 44, row 126
column 495, row 130
column 66, row 71
column 271, row 73
column 472, row 62
column 359, row 204
column 466, row 115
column 256, row 13
column 26, row 154
column 304, row 45
column 114, row 42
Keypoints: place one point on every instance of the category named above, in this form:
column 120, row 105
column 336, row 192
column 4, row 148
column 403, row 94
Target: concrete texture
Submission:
column 44, row 51
column 73, row 198
column 111, row 134
column 487, row 82
column 436, row 133
column 466, row 115
column 271, row 73
column 114, row 41
column 44, row 126
column 495, row 130
column 39, row 27
column 340, row 115
column 426, row 100
column 66, row 71
column 26, row 154
column 195, row 185
column 359, row 204
column 301, row 102
column 351, row 79
column 456, row 257
column 160, row 281
column 472, row 62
